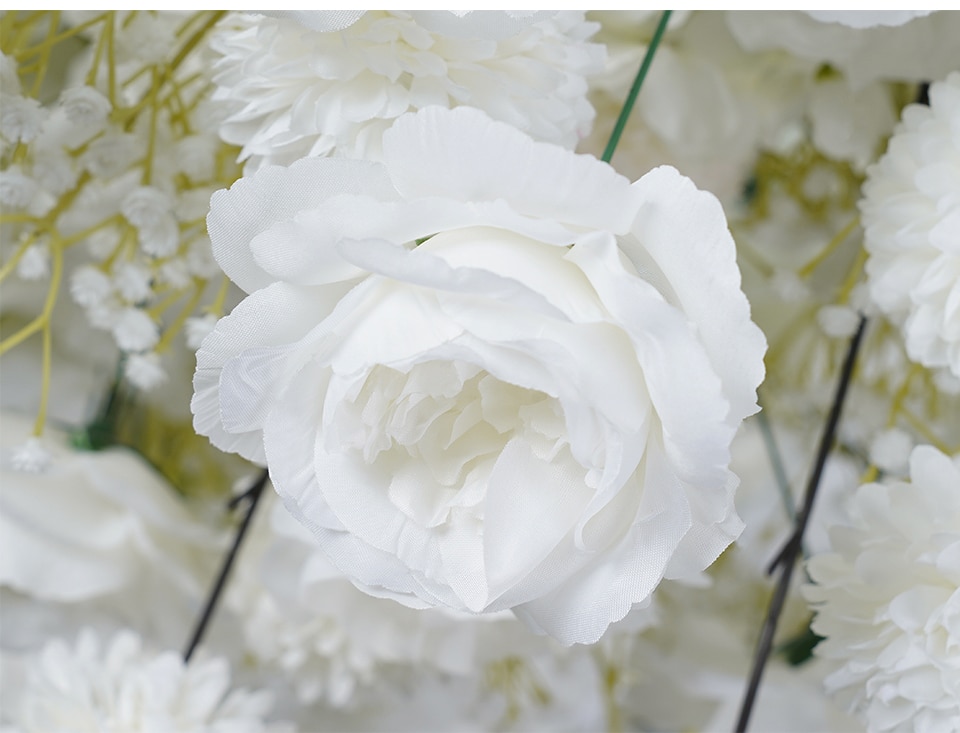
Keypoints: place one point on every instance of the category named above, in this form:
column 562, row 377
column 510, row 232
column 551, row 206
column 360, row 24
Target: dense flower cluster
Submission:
column 488, row 383
column 888, row 600
column 332, row 82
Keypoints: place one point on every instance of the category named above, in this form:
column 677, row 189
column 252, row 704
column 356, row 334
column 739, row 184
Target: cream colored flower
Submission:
column 92, row 687
column 331, row 83
column 888, row 600
column 911, row 218
column 487, row 373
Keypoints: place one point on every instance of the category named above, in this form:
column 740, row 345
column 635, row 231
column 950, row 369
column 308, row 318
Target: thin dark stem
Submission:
column 253, row 494
column 787, row 557
column 635, row 88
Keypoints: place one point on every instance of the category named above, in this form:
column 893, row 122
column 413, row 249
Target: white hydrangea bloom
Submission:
column 325, row 83
column 120, row 685
column 911, row 218
column 888, row 600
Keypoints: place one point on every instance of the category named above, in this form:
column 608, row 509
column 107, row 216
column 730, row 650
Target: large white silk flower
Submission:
column 487, row 373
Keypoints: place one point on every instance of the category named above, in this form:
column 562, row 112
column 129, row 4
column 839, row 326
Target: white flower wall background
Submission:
column 538, row 388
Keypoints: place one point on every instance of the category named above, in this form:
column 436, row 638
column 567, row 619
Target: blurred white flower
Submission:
column 888, row 600
column 132, row 281
column 21, row 118
column 924, row 45
column 890, row 451
column 89, row 285
column 35, row 262
column 31, row 456
column 144, row 371
column 111, row 154
column 135, row 330
column 86, row 106
column 531, row 410
column 92, row 687
column 198, row 328
column 326, row 83
column 97, row 523
column 151, row 212
column 911, row 218
column 866, row 18
column 17, row 189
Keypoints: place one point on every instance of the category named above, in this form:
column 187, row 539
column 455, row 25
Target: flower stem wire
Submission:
column 635, row 88
column 252, row 495
column 786, row 558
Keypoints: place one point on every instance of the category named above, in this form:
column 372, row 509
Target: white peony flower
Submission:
column 93, row 524
column 888, row 600
column 330, row 83
column 911, row 219
column 531, row 410
column 123, row 686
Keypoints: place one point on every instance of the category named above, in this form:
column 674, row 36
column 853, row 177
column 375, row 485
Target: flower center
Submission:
column 438, row 429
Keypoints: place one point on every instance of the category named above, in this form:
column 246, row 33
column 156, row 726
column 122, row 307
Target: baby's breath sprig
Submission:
column 88, row 201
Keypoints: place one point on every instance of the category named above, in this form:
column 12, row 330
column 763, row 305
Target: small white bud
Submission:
column 31, row 457
column 17, row 190
column 144, row 371
column 838, row 321
column 132, row 281
column 34, row 264
column 89, row 286
column 135, row 331
column 86, row 107
column 21, row 118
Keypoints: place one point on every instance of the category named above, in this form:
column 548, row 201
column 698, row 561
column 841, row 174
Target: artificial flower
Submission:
column 327, row 82
column 122, row 685
column 98, row 525
column 888, row 600
column 487, row 373
column 911, row 212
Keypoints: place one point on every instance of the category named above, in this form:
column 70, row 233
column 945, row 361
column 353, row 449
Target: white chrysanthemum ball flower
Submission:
column 330, row 83
column 123, row 686
column 911, row 220
column 888, row 600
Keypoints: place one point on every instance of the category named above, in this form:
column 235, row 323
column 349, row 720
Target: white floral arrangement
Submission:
column 489, row 370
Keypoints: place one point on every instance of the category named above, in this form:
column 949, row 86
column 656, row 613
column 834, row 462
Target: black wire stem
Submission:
column 253, row 495
column 787, row 557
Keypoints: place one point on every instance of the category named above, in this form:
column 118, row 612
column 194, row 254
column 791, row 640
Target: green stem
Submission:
column 635, row 89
